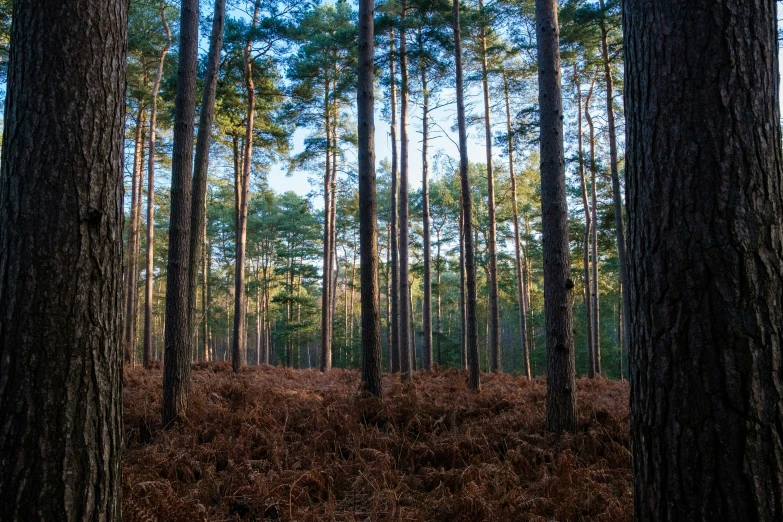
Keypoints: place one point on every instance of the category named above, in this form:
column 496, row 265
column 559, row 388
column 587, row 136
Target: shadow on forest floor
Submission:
column 278, row 444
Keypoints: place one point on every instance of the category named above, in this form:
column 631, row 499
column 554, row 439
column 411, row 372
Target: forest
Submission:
column 391, row 260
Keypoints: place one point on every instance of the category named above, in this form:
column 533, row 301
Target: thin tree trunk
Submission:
column 132, row 270
column 558, row 286
column 405, row 290
column 198, row 210
column 494, row 310
column 705, row 196
column 150, row 269
column 395, row 229
column 178, row 334
column 593, row 240
column 587, row 235
column 61, row 295
column 368, row 207
column 326, row 325
column 616, row 195
column 462, row 287
column 467, row 213
column 521, row 292
column 426, row 312
column 239, row 346
column 437, row 284
column 388, row 295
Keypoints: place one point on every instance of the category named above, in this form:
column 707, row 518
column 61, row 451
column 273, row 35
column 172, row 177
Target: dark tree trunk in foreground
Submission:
column 704, row 172
column 198, row 206
column 395, row 228
column 61, row 293
column 467, row 213
column 494, row 310
column 178, row 338
column 368, row 207
column 558, row 287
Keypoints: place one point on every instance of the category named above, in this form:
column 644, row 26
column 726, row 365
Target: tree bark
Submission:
column 395, row 228
column 178, row 336
column 467, row 213
column 150, row 268
column 496, row 354
column 558, row 287
column 198, row 209
column 705, row 197
column 368, row 206
column 521, row 292
column 405, row 289
column 462, row 287
column 61, row 290
column 239, row 345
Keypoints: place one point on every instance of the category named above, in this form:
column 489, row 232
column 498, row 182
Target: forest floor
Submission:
column 278, row 444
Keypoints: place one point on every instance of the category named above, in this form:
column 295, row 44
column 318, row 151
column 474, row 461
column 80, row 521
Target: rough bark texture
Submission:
column 368, row 206
column 521, row 292
column 150, row 266
column 405, row 287
column 395, row 228
column 494, row 309
column 61, row 221
column 178, row 338
column 198, row 206
column 558, row 287
column 467, row 213
column 705, row 197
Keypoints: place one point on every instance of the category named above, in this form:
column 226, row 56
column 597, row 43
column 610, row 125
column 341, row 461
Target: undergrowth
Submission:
column 299, row 445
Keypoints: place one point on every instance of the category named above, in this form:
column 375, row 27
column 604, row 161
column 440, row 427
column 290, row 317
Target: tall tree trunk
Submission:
column 61, row 292
column 405, row 289
column 462, row 288
column 426, row 313
column 132, row 269
column 437, row 285
column 239, row 346
column 137, row 245
column 517, row 241
column 616, row 195
column 494, row 310
column 388, row 295
column 705, row 196
column 326, row 288
column 593, row 240
column 198, row 209
column 178, row 336
column 150, row 268
column 205, row 295
column 469, row 261
column 368, row 206
column 395, row 228
column 588, row 226
column 558, row 286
